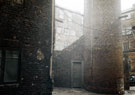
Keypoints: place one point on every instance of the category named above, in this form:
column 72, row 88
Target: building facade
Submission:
column 64, row 62
column 68, row 27
column 99, row 50
column 103, row 68
column 25, row 47
column 128, row 25
column 128, row 38
column 68, row 46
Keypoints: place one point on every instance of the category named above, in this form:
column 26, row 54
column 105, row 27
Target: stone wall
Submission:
column 63, row 60
column 28, row 27
column 103, row 48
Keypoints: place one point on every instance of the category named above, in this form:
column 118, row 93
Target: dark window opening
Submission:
column 9, row 66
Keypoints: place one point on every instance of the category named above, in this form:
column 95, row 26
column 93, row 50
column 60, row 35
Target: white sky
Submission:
column 78, row 5
column 126, row 4
column 75, row 5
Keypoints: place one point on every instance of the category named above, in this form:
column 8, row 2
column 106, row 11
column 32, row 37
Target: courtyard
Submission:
column 69, row 91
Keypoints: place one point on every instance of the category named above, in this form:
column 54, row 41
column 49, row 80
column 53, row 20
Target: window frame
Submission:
column 3, row 60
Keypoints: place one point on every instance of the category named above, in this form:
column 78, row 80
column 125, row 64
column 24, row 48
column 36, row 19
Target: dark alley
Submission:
column 67, row 47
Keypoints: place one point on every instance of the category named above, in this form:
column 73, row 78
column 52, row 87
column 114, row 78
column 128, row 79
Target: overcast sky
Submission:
column 78, row 5
column 126, row 4
column 75, row 5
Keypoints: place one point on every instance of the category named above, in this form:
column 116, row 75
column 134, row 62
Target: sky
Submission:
column 78, row 5
column 75, row 5
column 126, row 4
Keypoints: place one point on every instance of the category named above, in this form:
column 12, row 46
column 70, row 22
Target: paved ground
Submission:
column 131, row 91
column 68, row 91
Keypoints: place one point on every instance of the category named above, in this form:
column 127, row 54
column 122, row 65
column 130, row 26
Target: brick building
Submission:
column 103, row 68
column 64, row 63
column 68, row 27
column 68, row 45
column 100, row 50
column 25, row 47
column 128, row 24
column 128, row 37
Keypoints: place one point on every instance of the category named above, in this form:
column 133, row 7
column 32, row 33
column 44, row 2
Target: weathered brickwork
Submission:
column 129, row 57
column 130, row 52
column 28, row 27
column 128, row 39
column 103, row 69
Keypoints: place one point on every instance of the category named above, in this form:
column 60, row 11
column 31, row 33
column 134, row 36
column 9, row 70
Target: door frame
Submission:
column 82, row 65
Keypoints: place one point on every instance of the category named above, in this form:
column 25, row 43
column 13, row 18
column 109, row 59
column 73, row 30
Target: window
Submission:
column 61, row 14
column 127, row 31
column 9, row 66
column 133, row 28
column 69, row 16
column 123, row 32
column 126, row 46
column 127, row 16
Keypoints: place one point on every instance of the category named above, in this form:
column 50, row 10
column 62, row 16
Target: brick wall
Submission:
column 103, row 68
column 63, row 60
column 28, row 27
column 129, row 57
column 129, row 39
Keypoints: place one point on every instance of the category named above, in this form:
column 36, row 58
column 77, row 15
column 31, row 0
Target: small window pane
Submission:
column 11, row 66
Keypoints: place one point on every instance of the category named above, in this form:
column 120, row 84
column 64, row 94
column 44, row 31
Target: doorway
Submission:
column 76, row 75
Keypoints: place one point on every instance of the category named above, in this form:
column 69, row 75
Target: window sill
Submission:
column 16, row 84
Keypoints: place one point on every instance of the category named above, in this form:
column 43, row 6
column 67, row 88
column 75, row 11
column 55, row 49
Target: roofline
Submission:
column 69, row 10
column 128, row 11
